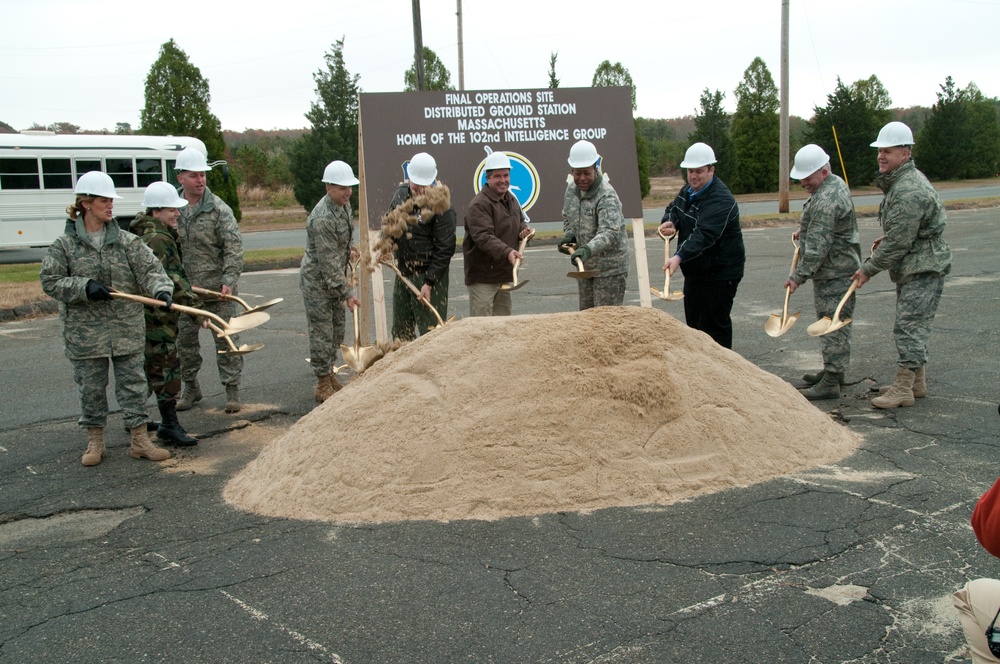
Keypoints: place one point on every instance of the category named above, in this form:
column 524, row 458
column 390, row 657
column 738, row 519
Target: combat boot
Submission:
column 171, row 431
column 141, row 448
column 190, row 395
column 828, row 387
column 900, row 393
column 323, row 388
column 95, row 446
column 919, row 384
column 233, row 404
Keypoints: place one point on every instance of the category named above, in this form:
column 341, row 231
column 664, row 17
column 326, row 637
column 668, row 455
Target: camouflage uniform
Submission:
column 830, row 253
column 423, row 255
column 213, row 257
column 161, row 363
column 324, row 280
column 916, row 255
column 594, row 217
column 99, row 333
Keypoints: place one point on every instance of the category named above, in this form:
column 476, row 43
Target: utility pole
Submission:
column 461, row 54
column 418, row 45
column 783, row 142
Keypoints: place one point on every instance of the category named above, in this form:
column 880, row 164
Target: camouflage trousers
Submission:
column 189, row 348
column 602, row 291
column 163, row 368
column 916, row 305
column 131, row 389
column 326, row 317
column 409, row 314
column 836, row 345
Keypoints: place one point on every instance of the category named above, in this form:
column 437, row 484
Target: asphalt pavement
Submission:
column 853, row 562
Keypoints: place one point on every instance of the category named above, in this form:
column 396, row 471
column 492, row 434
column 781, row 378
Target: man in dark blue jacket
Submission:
column 710, row 249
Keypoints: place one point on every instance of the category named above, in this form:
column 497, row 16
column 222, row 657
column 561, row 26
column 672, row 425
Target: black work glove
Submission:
column 97, row 292
column 166, row 298
column 583, row 253
column 564, row 243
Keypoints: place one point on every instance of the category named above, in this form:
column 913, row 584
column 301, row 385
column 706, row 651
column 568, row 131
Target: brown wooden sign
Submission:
column 535, row 128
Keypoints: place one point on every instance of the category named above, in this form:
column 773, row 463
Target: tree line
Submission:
column 959, row 137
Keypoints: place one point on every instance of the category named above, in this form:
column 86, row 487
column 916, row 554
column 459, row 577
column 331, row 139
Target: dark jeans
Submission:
column 707, row 305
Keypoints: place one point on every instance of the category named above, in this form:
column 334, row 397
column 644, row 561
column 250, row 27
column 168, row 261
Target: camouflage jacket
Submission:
column 829, row 245
column 101, row 329
column 912, row 219
column 595, row 218
column 329, row 230
column 211, row 242
column 426, row 247
column 162, row 240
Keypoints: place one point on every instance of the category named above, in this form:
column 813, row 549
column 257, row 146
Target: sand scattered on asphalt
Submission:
column 490, row 418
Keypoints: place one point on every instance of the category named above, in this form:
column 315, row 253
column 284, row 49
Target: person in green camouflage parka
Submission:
column 81, row 270
column 157, row 228
column 913, row 250
column 830, row 252
column 594, row 230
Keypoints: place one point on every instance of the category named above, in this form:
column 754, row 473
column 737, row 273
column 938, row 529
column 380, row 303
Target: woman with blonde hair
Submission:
column 81, row 269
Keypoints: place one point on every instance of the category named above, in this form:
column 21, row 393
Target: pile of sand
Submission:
column 496, row 417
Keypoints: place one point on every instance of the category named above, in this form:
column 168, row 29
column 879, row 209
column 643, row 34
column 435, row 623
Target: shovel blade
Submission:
column 820, row 327
column 361, row 357
column 775, row 326
column 242, row 350
column 247, row 321
column 265, row 305
column 586, row 274
column 837, row 324
column 514, row 287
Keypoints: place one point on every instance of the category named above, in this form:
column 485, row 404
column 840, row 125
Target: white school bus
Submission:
column 38, row 171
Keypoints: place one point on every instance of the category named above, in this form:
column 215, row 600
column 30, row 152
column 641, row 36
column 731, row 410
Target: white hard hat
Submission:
column 698, row 155
column 162, row 195
column 582, row 154
column 96, row 183
column 496, row 160
column 422, row 170
column 893, row 134
column 191, row 159
column 340, row 173
column 808, row 160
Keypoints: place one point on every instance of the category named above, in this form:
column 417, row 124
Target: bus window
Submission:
column 86, row 166
column 19, row 173
column 56, row 174
column 120, row 171
column 147, row 171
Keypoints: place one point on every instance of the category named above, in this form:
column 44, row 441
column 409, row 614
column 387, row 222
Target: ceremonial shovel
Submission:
column 359, row 357
column 517, row 264
column 416, row 291
column 233, row 298
column 221, row 328
column 580, row 273
column 777, row 325
column 666, row 294
column 824, row 325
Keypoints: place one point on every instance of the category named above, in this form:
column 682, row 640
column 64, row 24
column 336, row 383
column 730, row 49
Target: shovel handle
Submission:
column 220, row 296
column 152, row 302
column 414, row 290
column 843, row 300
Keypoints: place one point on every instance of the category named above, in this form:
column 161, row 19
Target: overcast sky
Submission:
column 86, row 62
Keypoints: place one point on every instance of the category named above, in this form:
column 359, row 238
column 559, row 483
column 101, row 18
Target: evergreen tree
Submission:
column 177, row 103
column 857, row 113
column 755, row 132
column 334, row 135
column 711, row 126
column 613, row 75
column 436, row 75
column 961, row 138
column 553, row 81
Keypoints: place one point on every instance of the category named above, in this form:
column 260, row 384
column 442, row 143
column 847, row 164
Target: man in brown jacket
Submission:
column 494, row 223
